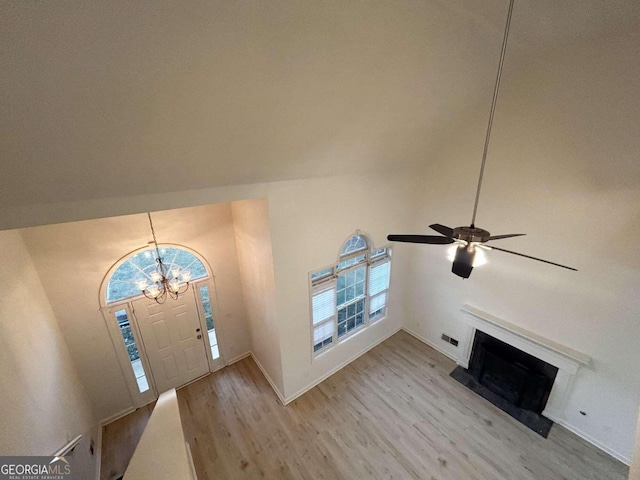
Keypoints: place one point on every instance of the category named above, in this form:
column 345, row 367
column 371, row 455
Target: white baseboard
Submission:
column 117, row 416
column 617, row 455
column 238, row 358
column 271, row 382
column 431, row 344
column 304, row 390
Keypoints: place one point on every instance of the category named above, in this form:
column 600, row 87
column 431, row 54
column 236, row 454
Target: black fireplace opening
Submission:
column 513, row 380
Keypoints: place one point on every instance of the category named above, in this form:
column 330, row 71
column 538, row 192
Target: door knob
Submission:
column 199, row 337
column 197, row 329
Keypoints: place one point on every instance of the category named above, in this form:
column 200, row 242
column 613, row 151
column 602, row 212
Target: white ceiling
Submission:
column 113, row 99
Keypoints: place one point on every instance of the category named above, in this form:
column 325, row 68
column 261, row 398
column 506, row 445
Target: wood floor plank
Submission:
column 393, row 413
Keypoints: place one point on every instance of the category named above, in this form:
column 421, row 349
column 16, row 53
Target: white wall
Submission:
column 253, row 242
column 562, row 116
column 42, row 400
column 73, row 258
column 310, row 220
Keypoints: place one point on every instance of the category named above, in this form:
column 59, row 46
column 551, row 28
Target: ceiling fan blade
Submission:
column 430, row 239
column 446, row 231
column 498, row 237
column 532, row 258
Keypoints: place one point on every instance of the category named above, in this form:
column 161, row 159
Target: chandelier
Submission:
column 167, row 283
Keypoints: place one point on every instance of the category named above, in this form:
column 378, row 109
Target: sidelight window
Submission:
column 132, row 350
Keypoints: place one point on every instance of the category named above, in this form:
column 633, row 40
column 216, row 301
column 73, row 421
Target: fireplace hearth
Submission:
column 514, row 381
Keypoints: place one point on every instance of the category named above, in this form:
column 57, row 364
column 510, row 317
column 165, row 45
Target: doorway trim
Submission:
column 109, row 309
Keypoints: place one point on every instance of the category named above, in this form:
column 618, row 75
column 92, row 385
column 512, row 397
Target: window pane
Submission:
column 378, row 302
column 353, row 317
column 350, row 294
column 323, row 305
column 322, row 332
column 342, row 329
column 132, row 350
column 354, row 244
column 352, row 261
column 379, row 278
column 341, row 298
column 122, row 283
column 143, row 385
column 215, row 351
column 321, row 273
column 206, row 306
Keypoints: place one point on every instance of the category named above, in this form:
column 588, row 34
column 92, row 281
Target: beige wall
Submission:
column 253, row 242
column 634, row 472
column 310, row 220
column 43, row 404
column 562, row 117
column 73, row 258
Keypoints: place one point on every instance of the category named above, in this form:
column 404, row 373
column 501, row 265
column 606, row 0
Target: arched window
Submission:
column 351, row 294
column 123, row 281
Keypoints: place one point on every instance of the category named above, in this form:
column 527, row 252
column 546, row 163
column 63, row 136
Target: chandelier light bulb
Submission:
column 141, row 284
column 186, row 276
column 156, row 277
column 153, row 291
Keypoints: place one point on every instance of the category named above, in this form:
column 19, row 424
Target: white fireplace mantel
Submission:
column 567, row 360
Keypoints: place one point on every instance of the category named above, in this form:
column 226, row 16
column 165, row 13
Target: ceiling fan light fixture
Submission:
column 479, row 258
column 463, row 261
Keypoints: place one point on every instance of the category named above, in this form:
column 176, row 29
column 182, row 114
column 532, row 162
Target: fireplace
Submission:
column 511, row 379
column 525, row 374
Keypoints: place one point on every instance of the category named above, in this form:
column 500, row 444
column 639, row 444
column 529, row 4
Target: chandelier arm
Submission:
column 144, row 292
column 493, row 109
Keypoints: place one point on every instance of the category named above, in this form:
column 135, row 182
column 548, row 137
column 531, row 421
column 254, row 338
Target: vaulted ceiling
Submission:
column 113, row 99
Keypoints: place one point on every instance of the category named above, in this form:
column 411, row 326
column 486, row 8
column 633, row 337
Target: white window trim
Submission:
column 329, row 281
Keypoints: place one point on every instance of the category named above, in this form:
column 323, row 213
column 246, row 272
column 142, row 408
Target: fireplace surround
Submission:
column 566, row 360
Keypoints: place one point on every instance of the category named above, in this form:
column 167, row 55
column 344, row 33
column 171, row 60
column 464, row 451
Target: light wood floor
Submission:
column 119, row 440
column 392, row 413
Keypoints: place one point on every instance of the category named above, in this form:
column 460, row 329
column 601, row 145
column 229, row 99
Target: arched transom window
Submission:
column 124, row 280
column 351, row 294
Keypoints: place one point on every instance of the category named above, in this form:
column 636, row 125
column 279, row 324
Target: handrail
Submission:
column 68, row 447
column 162, row 453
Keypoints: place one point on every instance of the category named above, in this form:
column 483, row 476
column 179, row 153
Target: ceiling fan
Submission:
column 471, row 240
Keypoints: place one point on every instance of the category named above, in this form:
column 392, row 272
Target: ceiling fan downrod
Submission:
column 493, row 109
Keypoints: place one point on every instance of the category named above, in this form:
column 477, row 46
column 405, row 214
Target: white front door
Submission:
column 173, row 340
